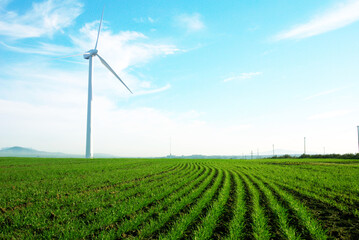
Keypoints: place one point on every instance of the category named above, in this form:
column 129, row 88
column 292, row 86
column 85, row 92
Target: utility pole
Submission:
column 257, row 153
column 324, row 150
column 251, row 154
column 273, row 150
column 304, row 146
column 358, row 136
column 171, row 146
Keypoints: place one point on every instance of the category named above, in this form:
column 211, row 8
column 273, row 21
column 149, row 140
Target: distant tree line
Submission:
column 334, row 155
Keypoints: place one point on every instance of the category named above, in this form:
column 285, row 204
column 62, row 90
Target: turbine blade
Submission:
column 111, row 70
column 99, row 28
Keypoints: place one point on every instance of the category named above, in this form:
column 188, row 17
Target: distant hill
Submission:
column 29, row 152
column 17, row 151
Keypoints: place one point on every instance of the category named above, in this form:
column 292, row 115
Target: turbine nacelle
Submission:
column 88, row 54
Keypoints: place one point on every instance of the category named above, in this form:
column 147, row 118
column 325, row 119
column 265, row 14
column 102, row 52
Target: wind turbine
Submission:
column 90, row 55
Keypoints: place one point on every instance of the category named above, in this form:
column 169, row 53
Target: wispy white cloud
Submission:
column 156, row 90
column 328, row 115
column 323, row 93
column 42, row 49
column 336, row 17
column 151, row 20
column 144, row 20
column 44, row 18
column 122, row 50
column 242, row 76
column 191, row 22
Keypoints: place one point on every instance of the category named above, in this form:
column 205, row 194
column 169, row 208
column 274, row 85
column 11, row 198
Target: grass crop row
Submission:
column 281, row 213
column 208, row 224
column 323, row 198
column 184, row 221
column 236, row 226
column 155, row 225
column 259, row 220
column 303, row 214
column 140, row 217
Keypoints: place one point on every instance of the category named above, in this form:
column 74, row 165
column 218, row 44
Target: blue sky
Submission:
column 226, row 77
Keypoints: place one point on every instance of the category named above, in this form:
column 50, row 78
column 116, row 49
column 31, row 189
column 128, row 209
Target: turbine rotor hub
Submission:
column 90, row 53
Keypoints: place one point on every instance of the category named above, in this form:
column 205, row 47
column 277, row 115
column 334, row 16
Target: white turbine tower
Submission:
column 90, row 55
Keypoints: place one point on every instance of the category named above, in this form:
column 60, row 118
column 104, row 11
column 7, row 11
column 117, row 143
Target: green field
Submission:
column 179, row 199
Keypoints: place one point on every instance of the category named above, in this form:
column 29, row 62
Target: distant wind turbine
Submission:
column 89, row 55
